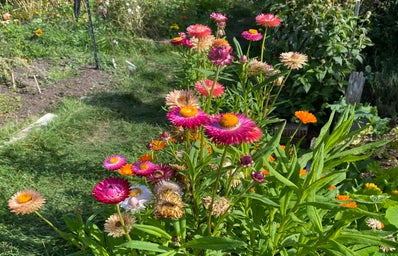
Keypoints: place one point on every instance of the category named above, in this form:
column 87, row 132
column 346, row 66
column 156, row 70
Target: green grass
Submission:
column 64, row 159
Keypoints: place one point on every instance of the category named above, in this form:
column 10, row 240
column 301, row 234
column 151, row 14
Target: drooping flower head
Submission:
column 257, row 67
column 181, row 98
column 258, row 176
column 187, row 117
column 268, row 20
column 143, row 168
column 111, row 190
column 199, row 31
column 220, row 205
column 252, row 35
column 220, row 56
column 305, row 117
column 230, row 128
column 114, row 227
column 246, row 161
column 293, row 60
column 114, row 162
column 139, row 197
column 374, row 224
column 204, row 88
column 26, row 202
column 165, row 185
column 161, row 172
column 168, row 205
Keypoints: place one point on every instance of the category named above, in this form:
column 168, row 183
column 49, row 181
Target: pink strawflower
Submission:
column 111, row 190
column 218, row 17
column 252, row 35
column 220, row 56
column 161, row 172
column 187, row 117
column 143, row 168
column 199, row 31
column 114, row 162
column 204, row 88
column 230, row 128
column 268, row 20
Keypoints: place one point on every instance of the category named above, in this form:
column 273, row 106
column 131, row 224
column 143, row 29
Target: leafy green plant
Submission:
column 217, row 183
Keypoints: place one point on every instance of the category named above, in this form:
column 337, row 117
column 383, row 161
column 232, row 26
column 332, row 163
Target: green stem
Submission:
column 215, row 187
column 208, row 103
column 49, row 223
column 263, row 45
column 122, row 222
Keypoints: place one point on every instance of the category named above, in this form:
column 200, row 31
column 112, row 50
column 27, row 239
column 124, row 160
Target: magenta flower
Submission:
column 114, row 162
column 258, row 177
column 218, row 17
column 204, row 88
column 230, row 128
column 187, row 117
column 111, row 190
column 143, row 168
column 221, row 56
column 246, row 161
column 252, row 35
column 268, row 20
column 161, row 172
column 199, row 31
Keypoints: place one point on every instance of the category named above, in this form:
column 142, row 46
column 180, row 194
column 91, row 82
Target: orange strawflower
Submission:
column 145, row 157
column 271, row 158
column 332, row 187
column 305, row 117
column 126, row 170
column 343, row 198
column 349, row 205
column 266, row 172
column 158, row 145
column 303, row 172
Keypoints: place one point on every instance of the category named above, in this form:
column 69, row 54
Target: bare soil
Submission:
column 30, row 93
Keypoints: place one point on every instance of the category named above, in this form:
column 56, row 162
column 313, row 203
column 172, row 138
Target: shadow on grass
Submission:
column 127, row 106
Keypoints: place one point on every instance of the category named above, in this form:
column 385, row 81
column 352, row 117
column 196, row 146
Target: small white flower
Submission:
column 138, row 198
column 374, row 224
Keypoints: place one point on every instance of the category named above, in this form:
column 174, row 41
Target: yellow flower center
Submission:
column 177, row 38
column 188, row 111
column 253, row 31
column 114, row 160
column 23, row 198
column 135, row 192
column 143, row 166
column 228, row 120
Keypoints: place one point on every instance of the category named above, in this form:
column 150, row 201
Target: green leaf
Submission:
column 146, row 246
column 341, row 248
column 315, row 218
column 392, row 215
column 152, row 230
column 281, row 178
column 262, row 199
column 214, row 243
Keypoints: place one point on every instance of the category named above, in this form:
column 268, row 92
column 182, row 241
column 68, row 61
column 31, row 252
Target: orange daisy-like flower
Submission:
column 26, row 202
column 305, row 117
column 158, row 145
